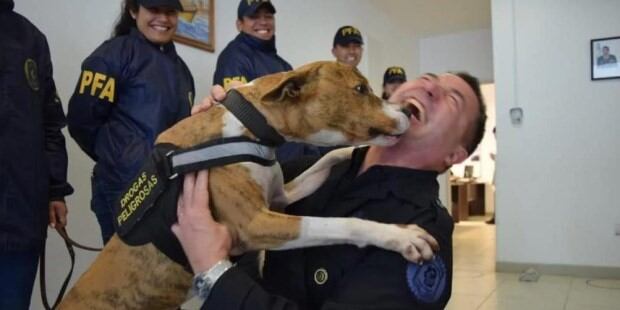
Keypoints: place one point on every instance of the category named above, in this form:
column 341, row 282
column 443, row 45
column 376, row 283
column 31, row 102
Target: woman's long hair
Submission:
column 125, row 21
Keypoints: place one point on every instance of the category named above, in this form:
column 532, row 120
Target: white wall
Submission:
column 557, row 197
column 470, row 51
column 305, row 33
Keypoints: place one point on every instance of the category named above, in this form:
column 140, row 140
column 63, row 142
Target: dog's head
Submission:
column 326, row 103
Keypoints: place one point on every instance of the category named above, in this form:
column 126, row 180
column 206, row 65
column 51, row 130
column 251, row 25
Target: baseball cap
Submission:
column 394, row 74
column 348, row 34
column 175, row 4
column 249, row 7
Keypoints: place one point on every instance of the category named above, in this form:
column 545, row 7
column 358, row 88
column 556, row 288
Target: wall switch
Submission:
column 617, row 229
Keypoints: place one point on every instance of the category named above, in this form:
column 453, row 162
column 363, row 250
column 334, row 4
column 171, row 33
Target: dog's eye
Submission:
column 362, row 89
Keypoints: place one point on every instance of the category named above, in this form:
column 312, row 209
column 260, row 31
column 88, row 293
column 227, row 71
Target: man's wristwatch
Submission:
column 204, row 281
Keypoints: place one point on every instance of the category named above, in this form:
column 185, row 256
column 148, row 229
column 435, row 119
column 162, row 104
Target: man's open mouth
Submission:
column 416, row 110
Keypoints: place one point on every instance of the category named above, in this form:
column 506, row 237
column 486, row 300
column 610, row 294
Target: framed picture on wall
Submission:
column 604, row 55
column 196, row 24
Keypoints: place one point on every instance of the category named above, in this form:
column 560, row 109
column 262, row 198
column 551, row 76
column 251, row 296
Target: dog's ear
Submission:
column 289, row 87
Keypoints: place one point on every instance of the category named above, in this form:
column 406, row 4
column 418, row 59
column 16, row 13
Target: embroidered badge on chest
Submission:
column 31, row 72
column 427, row 282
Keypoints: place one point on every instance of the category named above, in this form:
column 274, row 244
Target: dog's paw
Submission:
column 414, row 243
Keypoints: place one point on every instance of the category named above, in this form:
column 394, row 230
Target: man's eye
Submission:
column 362, row 89
column 454, row 99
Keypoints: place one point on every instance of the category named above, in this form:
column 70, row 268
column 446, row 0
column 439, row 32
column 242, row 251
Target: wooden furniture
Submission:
column 467, row 198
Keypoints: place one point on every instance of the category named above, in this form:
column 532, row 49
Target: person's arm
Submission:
column 53, row 122
column 380, row 279
column 92, row 101
column 207, row 242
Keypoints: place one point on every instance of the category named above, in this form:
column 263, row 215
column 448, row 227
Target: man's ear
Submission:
column 238, row 23
column 289, row 87
column 456, row 157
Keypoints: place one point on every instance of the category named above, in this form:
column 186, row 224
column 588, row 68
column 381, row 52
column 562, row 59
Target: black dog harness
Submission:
column 151, row 197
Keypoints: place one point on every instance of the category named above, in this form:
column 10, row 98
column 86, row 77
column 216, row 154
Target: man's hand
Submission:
column 204, row 241
column 58, row 214
column 217, row 94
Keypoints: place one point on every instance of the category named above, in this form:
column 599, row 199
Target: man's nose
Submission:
column 434, row 90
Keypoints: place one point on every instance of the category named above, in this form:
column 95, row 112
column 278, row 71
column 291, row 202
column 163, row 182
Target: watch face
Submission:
column 199, row 283
column 202, row 285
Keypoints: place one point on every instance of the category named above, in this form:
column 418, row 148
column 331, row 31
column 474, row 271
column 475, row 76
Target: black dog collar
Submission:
column 252, row 119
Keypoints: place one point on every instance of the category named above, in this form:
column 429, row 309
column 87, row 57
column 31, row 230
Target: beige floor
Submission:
column 477, row 286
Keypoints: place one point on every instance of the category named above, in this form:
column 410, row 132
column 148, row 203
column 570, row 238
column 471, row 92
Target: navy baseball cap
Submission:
column 249, row 7
column 348, row 34
column 175, row 4
column 394, row 74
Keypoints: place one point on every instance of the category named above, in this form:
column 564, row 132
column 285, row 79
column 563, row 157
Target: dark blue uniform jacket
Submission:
column 33, row 158
column 246, row 58
column 344, row 276
column 130, row 90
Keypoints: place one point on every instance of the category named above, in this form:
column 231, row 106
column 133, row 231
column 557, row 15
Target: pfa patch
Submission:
column 427, row 282
column 32, row 74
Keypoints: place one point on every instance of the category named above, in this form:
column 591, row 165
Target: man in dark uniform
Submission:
column 392, row 79
column 395, row 184
column 33, row 159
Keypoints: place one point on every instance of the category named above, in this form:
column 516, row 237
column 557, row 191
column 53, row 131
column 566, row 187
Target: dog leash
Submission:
column 69, row 243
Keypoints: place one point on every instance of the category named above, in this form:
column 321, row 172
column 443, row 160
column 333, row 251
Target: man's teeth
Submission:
column 161, row 28
column 416, row 109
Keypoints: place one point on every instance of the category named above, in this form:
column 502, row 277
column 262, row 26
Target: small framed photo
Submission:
column 604, row 55
column 196, row 24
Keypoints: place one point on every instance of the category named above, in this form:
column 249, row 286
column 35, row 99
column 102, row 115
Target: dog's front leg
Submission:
column 411, row 241
column 311, row 179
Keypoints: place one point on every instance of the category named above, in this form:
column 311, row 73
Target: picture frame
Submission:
column 604, row 54
column 196, row 26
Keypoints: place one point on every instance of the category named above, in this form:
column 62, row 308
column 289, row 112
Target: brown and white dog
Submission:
column 323, row 103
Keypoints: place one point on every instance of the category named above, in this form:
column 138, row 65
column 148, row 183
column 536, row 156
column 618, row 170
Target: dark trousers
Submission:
column 17, row 271
column 102, row 203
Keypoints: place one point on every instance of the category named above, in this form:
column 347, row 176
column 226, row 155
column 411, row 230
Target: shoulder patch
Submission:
column 32, row 74
column 98, row 85
column 230, row 80
column 427, row 282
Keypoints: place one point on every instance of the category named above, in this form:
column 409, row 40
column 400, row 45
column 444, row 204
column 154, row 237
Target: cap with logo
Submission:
column 250, row 7
column 348, row 34
column 394, row 74
column 175, row 4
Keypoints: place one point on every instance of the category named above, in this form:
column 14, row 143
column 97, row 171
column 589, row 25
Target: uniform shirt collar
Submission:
column 405, row 183
column 268, row 46
column 167, row 48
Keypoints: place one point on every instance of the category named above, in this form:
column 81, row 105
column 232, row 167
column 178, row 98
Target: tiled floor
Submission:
column 477, row 286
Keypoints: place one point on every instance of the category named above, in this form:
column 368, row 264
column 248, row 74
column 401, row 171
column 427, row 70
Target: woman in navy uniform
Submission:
column 132, row 87
column 33, row 157
column 253, row 54
column 395, row 184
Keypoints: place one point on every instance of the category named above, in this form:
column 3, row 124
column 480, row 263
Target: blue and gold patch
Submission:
column 32, row 74
column 229, row 80
column 98, row 85
column 427, row 282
